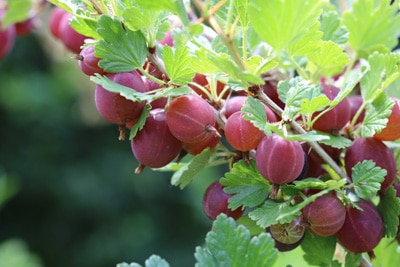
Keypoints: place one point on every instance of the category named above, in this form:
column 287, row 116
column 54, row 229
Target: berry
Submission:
column 88, row 63
column 334, row 120
column 325, row 215
column 392, row 130
column 56, row 15
column 191, row 119
column 115, row 108
column 235, row 103
column 215, row 202
column 71, row 39
column 371, row 149
column 362, row 229
column 25, row 27
column 211, row 141
column 288, row 233
column 154, row 146
column 279, row 161
column 241, row 134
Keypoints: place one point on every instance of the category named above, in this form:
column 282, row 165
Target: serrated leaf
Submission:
column 335, row 141
column 332, row 28
column 318, row 250
column 376, row 115
column 85, row 26
column 272, row 212
column 389, row 209
column 383, row 70
column 186, row 174
column 17, row 11
column 178, row 64
column 367, row 178
column 247, row 186
column 308, row 106
column 254, row 111
column 134, row 95
column 312, row 183
column 174, row 6
column 286, row 24
column 140, row 121
column 231, row 245
column 327, row 60
column 352, row 259
column 152, row 261
column 121, row 49
column 293, row 92
column 372, row 26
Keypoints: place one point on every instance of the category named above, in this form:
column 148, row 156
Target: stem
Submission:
column 299, row 69
column 157, row 62
column 356, row 116
column 151, row 77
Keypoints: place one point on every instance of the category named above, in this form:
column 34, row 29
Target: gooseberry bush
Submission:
column 299, row 99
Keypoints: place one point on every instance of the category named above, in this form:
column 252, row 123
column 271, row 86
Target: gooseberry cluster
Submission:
column 262, row 125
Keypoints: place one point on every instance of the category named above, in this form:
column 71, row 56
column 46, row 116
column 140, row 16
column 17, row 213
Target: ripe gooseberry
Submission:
column 392, row 130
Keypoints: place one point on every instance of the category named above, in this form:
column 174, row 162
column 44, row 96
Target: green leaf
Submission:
column 293, row 93
column 290, row 25
column 318, row 250
column 335, row 141
column 383, row 70
column 327, row 60
column 376, row 115
column 178, row 64
column 308, row 106
column 332, row 28
column 17, row 11
column 230, row 245
column 299, row 185
column 121, row 49
column 152, row 261
column 140, row 121
column 367, row 178
column 134, row 95
column 186, row 174
column 373, row 26
column 85, row 26
column 254, row 111
column 352, row 259
column 389, row 209
column 272, row 212
column 175, row 6
column 248, row 187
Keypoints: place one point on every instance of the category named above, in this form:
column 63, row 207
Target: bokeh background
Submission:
column 68, row 192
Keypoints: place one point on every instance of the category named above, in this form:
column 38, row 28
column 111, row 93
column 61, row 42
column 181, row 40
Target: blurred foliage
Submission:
column 79, row 202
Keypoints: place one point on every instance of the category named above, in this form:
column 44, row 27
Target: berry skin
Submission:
column 215, row 202
column 88, row 63
column 56, row 15
column 115, row 108
column 279, row 161
column 325, row 215
column 241, row 134
column 191, row 119
column 71, row 39
column 154, row 146
column 362, row 230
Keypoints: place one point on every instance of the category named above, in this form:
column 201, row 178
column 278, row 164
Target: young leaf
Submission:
column 383, row 71
column 318, row 250
column 389, row 209
column 138, row 125
column 287, row 24
column 177, row 63
column 248, row 187
column 254, row 111
column 367, row 178
column 309, row 106
column 327, row 60
column 293, row 93
column 17, row 11
column 186, row 174
column 272, row 212
column 231, row 245
column 152, row 261
column 376, row 115
column 332, row 28
column 85, row 26
column 174, row 6
column 335, row 141
column 121, row 49
column 298, row 185
column 372, row 27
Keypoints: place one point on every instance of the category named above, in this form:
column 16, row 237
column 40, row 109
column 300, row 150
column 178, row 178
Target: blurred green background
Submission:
column 74, row 199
